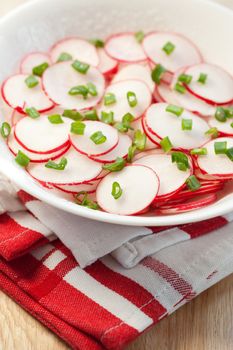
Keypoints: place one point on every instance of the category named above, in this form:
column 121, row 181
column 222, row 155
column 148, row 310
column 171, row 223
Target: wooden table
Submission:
column 204, row 324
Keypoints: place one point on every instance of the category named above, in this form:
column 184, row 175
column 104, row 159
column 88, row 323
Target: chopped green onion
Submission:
column 31, row 81
column 92, row 89
column 232, row 125
column 39, row 70
column 118, row 165
column 187, row 124
column 139, row 140
column 32, row 112
column 131, row 152
column 72, row 114
column 202, row 78
column 80, row 67
column 185, row 78
column 121, row 127
column 116, row 190
column 229, row 153
column 193, row 183
column 132, row 99
column 179, row 87
column 220, row 114
column 57, row 166
column 79, row 90
column 91, row 115
column 22, row 159
column 199, row 151
column 98, row 137
column 213, row 132
column 139, row 36
column 64, row 56
column 181, row 160
column 55, row 119
column 169, row 48
column 124, row 126
column 166, row 144
column 107, row 117
column 229, row 112
column 5, row 130
column 97, row 43
column 77, row 128
column 157, row 73
column 220, row 147
column 86, row 202
column 175, row 110
column 109, row 99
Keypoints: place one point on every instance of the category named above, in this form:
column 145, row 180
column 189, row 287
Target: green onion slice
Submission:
column 132, row 99
column 220, row 114
column 116, row 190
column 91, row 115
column 97, row 43
column 5, row 130
column 166, row 144
column 229, row 153
column 157, row 73
column 168, row 48
column 79, row 90
column 98, row 137
column 72, row 114
column 131, row 152
column 77, row 128
column 39, row 70
column 181, row 160
column 22, row 159
column 55, row 119
column 107, row 117
column 229, row 112
column 179, row 87
column 64, row 56
column 31, row 81
column 118, row 165
column 109, row 99
column 193, row 183
column 32, row 112
column 213, row 132
column 220, row 147
column 92, row 89
column 124, row 126
column 139, row 140
column 187, row 124
column 199, row 151
column 57, row 166
column 139, row 36
column 185, row 78
column 202, row 78
column 80, row 67
column 86, row 202
column 175, row 110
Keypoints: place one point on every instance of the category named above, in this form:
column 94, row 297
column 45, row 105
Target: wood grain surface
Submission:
column 204, row 324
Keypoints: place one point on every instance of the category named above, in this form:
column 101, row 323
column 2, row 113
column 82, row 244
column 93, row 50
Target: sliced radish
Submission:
column 136, row 196
column 79, row 49
column 185, row 52
column 79, row 169
column 192, row 204
column 218, row 88
column 223, row 127
column 147, row 153
column 162, row 124
column 216, row 164
column 15, row 116
column 124, row 47
column 14, row 147
column 41, row 136
column 121, row 107
column 171, row 178
column 61, row 77
column 164, row 93
column 88, row 187
column 135, row 72
column 18, row 96
column 85, row 145
column 155, row 140
column 107, row 65
column 32, row 60
column 121, row 150
column 137, row 125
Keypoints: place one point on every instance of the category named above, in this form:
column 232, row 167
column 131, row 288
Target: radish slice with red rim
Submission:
column 185, row 53
column 216, row 164
column 107, row 65
column 162, row 124
column 164, row 93
column 135, row 72
column 79, row 169
column 41, row 136
column 15, row 117
column 61, row 77
column 137, row 125
column 14, row 147
column 171, row 178
column 79, row 49
column 136, row 196
column 121, row 150
column 124, row 47
column 192, row 204
column 88, row 187
column 218, row 87
column 121, row 106
column 84, row 144
column 155, row 140
column 18, row 95
column 32, row 60
column 224, row 127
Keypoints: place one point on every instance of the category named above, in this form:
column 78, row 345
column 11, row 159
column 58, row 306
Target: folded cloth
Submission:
column 105, row 306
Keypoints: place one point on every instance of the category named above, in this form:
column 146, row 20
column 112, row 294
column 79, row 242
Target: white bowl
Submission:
column 38, row 24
